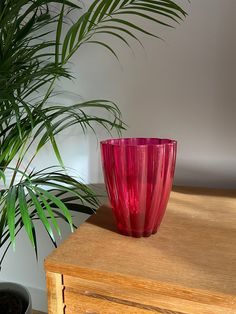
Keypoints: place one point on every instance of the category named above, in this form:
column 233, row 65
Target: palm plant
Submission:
column 36, row 45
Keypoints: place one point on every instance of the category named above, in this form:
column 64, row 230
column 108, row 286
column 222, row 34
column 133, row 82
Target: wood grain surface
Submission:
column 189, row 266
column 143, row 295
column 54, row 283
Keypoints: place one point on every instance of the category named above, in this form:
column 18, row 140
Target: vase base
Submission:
column 137, row 234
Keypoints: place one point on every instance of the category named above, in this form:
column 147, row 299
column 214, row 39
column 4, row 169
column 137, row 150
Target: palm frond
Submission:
column 104, row 15
column 50, row 121
column 38, row 196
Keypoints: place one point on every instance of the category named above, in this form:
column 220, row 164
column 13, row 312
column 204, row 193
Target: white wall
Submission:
column 183, row 88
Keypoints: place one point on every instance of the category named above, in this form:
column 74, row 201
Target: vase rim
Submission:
column 139, row 141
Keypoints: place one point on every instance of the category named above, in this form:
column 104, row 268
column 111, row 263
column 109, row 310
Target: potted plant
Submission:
column 36, row 46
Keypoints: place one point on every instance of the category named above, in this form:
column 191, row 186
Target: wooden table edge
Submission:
column 95, row 275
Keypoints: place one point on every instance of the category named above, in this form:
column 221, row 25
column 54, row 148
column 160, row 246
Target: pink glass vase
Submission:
column 138, row 175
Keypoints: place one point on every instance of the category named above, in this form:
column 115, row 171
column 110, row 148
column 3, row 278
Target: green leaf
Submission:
column 160, row 11
column 131, row 25
column 11, row 207
column 113, row 7
column 56, row 150
column 147, row 17
column 25, row 215
column 98, row 12
column 58, row 203
column 114, row 34
column 24, row 31
column 50, row 212
column 58, row 34
column 41, row 214
column 2, row 176
column 120, row 29
column 164, row 3
column 104, row 45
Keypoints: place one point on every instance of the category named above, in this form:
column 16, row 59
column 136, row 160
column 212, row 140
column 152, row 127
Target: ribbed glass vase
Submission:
column 138, row 174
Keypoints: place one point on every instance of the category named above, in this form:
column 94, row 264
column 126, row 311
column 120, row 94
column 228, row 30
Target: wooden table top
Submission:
column 195, row 246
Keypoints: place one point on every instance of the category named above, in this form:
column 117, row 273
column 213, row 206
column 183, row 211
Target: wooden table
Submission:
column 188, row 267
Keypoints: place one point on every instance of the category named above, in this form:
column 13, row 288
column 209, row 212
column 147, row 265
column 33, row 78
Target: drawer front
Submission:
column 95, row 304
column 115, row 295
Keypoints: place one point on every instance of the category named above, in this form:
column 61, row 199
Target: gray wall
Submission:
column 183, row 88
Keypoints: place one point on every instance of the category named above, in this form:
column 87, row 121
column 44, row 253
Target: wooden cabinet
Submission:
column 188, row 267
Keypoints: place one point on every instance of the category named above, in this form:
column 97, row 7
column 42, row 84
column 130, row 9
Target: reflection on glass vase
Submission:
column 138, row 175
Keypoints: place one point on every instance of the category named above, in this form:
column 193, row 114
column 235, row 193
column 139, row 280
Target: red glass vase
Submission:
column 138, row 174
